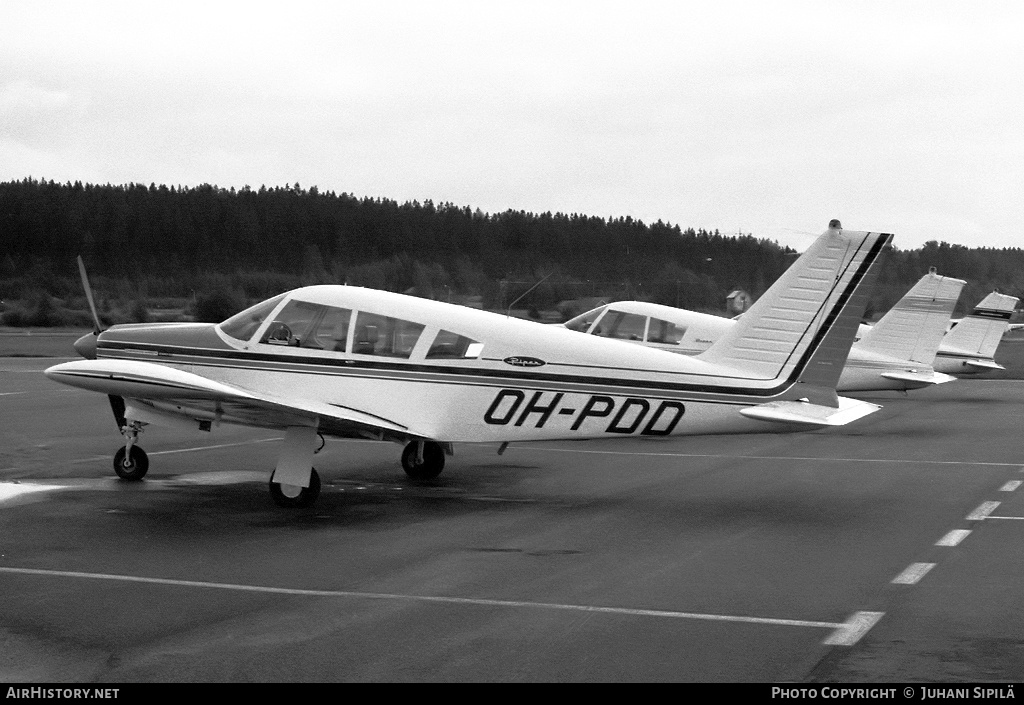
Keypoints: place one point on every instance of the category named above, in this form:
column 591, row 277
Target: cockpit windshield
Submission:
column 607, row 322
column 582, row 322
column 242, row 326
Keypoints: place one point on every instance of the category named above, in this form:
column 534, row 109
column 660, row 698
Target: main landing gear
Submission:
column 131, row 462
column 294, row 496
column 423, row 460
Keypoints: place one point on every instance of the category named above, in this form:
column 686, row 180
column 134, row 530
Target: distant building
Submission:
column 738, row 301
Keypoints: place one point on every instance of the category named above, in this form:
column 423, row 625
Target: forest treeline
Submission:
column 202, row 244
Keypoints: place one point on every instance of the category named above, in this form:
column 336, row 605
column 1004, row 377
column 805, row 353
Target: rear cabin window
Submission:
column 384, row 336
column 664, row 332
column 452, row 346
column 243, row 326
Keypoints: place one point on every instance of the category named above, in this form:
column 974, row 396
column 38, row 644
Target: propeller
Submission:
column 87, row 344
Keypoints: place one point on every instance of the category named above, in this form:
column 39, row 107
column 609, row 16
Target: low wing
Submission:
column 156, row 391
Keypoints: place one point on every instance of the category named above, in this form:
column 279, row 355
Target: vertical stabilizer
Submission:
column 914, row 327
column 979, row 333
column 802, row 327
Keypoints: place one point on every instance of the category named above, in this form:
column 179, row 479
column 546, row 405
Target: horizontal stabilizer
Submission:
column 806, row 413
column 919, row 379
column 984, row 364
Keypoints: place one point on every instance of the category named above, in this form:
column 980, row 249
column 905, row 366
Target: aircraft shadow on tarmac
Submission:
column 176, row 508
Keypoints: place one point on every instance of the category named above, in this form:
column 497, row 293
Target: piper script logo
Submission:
column 523, row 361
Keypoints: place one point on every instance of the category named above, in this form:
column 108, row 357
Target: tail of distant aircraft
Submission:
column 801, row 329
column 914, row 327
column 977, row 336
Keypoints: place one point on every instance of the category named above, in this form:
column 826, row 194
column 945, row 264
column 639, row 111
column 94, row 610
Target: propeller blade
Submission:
column 88, row 295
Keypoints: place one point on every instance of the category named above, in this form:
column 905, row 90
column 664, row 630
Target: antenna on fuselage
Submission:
column 508, row 313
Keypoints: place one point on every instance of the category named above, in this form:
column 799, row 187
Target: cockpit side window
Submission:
column 622, row 325
column 332, row 331
column 664, row 332
column 582, row 322
column 452, row 346
column 385, row 336
column 294, row 325
column 242, row 326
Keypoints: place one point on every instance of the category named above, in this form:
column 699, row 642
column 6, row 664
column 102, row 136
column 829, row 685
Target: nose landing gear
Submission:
column 131, row 462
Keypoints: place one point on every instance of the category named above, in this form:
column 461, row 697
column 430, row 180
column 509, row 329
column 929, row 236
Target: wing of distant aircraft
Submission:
column 894, row 354
column 358, row 363
column 970, row 346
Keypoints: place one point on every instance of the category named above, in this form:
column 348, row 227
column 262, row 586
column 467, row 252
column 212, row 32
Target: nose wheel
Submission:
column 130, row 461
column 131, row 465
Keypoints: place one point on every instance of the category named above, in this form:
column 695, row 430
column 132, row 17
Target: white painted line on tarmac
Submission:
column 214, row 447
column 43, row 391
column 982, row 511
column 856, row 627
column 14, row 489
column 725, row 456
column 195, row 449
column 844, row 632
column 953, row 537
column 913, row 573
column 1010, row 486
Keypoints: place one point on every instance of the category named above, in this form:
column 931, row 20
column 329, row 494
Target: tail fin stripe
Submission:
column 840, row 304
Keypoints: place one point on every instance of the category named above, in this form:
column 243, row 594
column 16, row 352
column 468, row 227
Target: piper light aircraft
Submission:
column 970, row 346
column 894, row 354
column 359, row 363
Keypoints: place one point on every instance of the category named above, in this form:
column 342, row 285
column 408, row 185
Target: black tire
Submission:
column 136, row 466
column 432, row 465
column 305, row 497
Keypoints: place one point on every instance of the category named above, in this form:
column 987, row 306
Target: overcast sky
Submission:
column 763, row 117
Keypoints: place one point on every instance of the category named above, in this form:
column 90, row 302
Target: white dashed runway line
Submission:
column 982, row 511
column 953, row 537
column 842, row 633
column 913, row 573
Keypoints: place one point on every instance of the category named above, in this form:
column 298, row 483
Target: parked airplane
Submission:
column 894, row 354
column 358, row 363
column 970, row 346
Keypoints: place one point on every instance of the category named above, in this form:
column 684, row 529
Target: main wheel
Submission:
column 134, row 467
column 292, row 496
column 432, row 465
